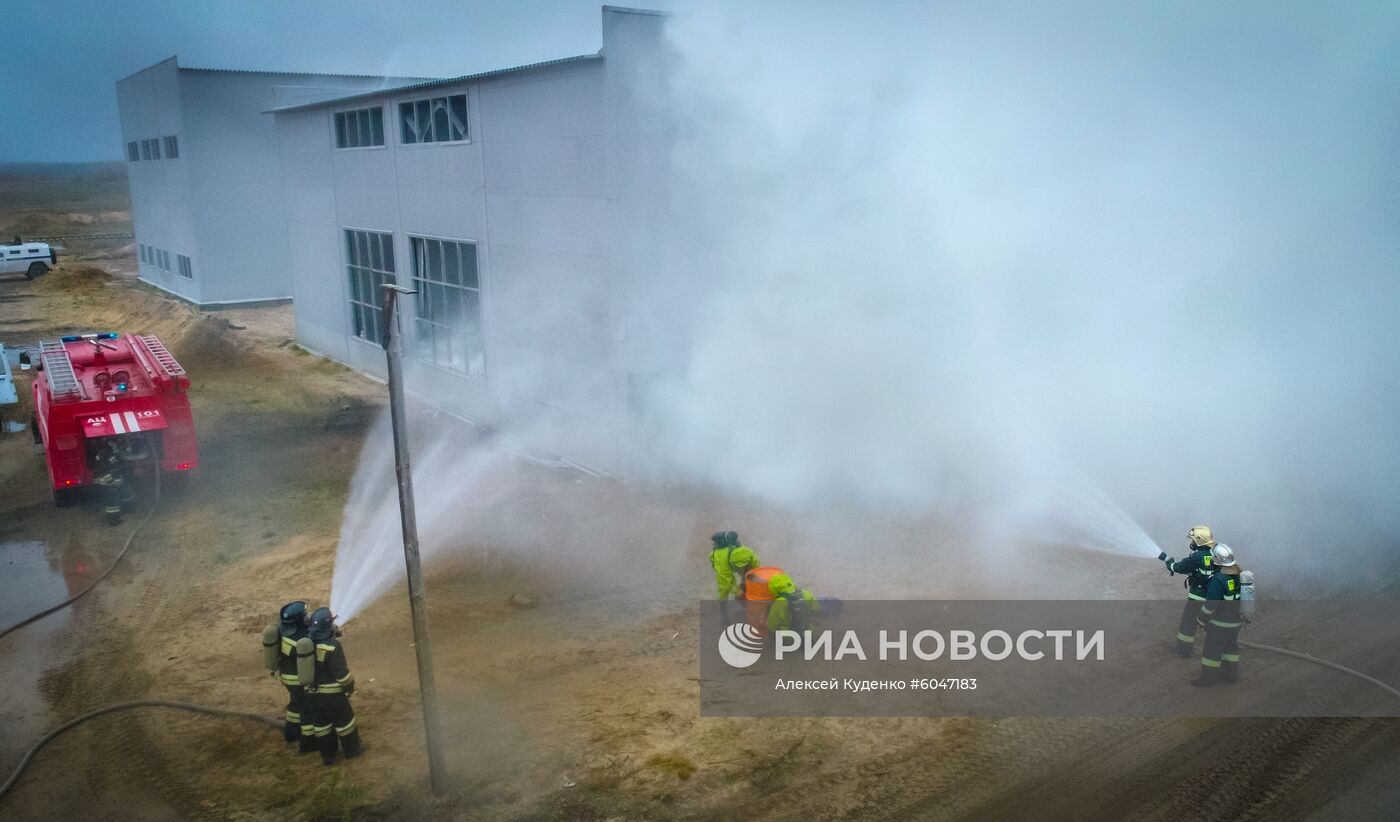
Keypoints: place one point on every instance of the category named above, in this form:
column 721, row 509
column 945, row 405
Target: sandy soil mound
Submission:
column 65, row 278
column 98, row 303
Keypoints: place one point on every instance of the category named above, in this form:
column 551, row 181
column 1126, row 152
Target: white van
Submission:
column 29, row 259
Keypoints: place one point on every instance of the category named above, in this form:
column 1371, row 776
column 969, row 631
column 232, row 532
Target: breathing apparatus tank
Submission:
column 1247, row 594
column 306, row 662
column 271, row 639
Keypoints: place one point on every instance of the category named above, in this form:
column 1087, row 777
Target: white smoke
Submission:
column 1047, row 271
column 1030, row 260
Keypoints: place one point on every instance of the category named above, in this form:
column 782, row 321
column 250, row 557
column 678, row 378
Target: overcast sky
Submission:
column 62, row 58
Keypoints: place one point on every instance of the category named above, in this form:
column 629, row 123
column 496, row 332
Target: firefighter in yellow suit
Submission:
column 731, row 560
column 793, row 609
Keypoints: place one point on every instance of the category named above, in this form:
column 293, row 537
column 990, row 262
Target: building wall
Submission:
column 533, row 188
column 220, row 203
column 149, row 105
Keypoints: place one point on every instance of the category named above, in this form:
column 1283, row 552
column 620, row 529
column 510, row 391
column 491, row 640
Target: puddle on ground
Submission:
column 33, row 576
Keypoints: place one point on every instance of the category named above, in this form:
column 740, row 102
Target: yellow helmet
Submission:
column 1200, row 536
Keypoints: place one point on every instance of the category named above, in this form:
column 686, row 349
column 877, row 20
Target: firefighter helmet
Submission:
column 1201, row 537
column 323, row 625
column 1222, row 556
column 731, row 538
column 292, row 620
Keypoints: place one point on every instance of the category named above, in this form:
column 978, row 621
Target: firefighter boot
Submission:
column 112, row 515
column 1210, row 673
column 350, row 744
column 1181, row 647
column 291, row 731
column 1230, row 668
column 326, row 744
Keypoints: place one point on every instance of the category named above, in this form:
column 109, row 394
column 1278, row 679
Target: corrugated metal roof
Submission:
column 304, row 73
column 176, row 59
column 436, row 83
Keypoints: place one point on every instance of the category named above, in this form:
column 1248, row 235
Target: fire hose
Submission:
column 130, row 538
column 1325, row 663
column 121, row 706
column 126, row 545
column 145, row 703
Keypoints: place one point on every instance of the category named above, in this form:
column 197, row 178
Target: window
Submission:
column 133, row 151
column 172, row 147
column 369, row 259
column 447, row 330
column 185, row 269
column 145, row 149
column 140, row 247
column 437, row 120
column 360, row 128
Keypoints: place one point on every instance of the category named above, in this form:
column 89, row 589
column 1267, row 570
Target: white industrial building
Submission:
column 206, row 188
column 523, row 206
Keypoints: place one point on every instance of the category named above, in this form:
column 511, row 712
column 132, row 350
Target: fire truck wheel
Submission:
column 36, row 270
column 64, row 497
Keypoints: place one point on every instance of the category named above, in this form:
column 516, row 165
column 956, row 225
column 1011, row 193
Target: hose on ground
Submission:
column 147, row 703
column 60, row 606
column 125, row 546
column 1310, row 658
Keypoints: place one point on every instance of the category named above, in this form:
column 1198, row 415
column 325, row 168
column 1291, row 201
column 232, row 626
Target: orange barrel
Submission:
column 757, row 595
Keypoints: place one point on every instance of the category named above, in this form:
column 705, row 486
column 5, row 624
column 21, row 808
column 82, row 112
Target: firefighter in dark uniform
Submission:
column 1199, row 567
column 329, row 695
column 110, row 473
column 1222, row 619
column 280, row 644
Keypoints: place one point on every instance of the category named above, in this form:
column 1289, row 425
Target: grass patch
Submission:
column 333, row 800
column 681, row 767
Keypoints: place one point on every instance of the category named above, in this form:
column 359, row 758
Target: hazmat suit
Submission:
column 730, row 560
column 793, row 609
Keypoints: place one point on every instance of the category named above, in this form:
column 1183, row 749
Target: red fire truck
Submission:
column 92, row 387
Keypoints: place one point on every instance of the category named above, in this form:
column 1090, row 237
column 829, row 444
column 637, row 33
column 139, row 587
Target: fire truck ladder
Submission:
column 63, row 382
column 163, row 356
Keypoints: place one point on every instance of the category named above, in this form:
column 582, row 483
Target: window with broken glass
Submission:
column 435, row 120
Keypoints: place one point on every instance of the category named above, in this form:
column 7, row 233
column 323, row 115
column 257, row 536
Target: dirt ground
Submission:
column 584, row 706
